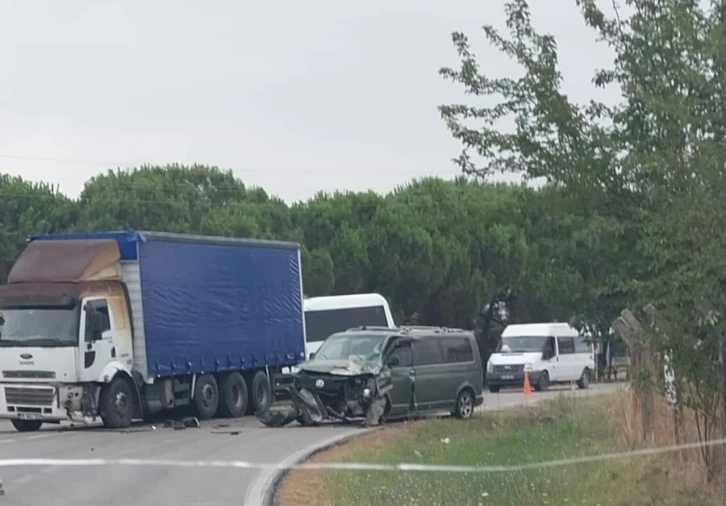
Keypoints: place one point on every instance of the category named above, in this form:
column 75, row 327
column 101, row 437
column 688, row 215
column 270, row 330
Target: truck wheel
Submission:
column 26, row 425
column 206, row 396
column 117, row 405
column 234, row 396
column 261, row 392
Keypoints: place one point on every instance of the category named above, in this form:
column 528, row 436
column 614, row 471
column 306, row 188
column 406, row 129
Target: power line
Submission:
column 230, row 202
column 128, row 165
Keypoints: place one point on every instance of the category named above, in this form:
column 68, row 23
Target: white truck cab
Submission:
column 547, row 352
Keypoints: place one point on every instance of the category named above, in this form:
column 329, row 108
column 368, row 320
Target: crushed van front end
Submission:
column 341, row 395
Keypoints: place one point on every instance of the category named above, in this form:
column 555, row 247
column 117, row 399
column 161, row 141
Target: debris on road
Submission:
column 184, row 423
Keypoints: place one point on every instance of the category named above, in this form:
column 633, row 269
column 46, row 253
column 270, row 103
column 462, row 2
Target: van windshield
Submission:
column 521, row 344
column 342, row 346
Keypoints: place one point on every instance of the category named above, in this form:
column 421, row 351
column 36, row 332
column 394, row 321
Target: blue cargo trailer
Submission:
column 164, row 321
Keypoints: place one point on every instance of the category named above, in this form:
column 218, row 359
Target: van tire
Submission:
column 543, row 383
column 584, row 382
column 206, row 397
column 117, row 404
column 234, row 397
column 261, row 393
column 464, row 404
column 26, row 425
column 494, row 389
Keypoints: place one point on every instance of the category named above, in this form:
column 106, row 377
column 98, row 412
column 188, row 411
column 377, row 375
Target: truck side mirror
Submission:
column 392, row 362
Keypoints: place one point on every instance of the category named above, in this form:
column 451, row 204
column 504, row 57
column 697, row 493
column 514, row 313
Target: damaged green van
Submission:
column 375, row 373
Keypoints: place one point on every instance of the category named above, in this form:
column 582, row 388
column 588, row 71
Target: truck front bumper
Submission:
column 50, row 403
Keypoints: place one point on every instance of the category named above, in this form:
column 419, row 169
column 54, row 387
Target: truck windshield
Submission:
column 521, row 344
column 342, row 346
column 39, row 327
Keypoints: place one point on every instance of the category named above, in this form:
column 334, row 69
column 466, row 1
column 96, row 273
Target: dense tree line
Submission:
column 449, row 253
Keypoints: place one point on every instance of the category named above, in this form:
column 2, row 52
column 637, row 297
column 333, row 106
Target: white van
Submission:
column 548, row 352
column 327, row 315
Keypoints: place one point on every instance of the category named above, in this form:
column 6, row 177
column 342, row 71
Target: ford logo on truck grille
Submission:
column 26, row 356
column 319, row 383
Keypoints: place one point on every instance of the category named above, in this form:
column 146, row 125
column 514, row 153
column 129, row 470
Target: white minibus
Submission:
column 335, row 313
column 547, row 352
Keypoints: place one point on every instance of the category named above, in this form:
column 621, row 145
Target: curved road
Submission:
column 158, row 486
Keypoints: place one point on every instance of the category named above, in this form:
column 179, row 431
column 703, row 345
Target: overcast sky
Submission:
column 293, row 96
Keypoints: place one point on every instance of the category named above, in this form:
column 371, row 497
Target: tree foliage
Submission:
column 649, row 170
column 442, row 252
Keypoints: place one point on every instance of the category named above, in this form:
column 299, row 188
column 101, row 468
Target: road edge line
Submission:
column 264, row 487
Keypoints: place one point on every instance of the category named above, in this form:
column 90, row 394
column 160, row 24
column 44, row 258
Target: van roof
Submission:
column 413, row 331
column 540, row 329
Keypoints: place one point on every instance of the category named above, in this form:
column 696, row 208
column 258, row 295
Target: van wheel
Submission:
column 584, row 381
column 206, row 396
column 117, row 404
column 234, row 397
column 26, row 425
column 544, row 382
column 261, row 392
column 494, row 388
column 464, row 405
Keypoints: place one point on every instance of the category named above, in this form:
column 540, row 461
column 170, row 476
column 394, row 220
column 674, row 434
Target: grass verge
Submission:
column 566, row 428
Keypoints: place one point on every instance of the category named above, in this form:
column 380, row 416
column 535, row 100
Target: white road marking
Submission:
column 357, row 466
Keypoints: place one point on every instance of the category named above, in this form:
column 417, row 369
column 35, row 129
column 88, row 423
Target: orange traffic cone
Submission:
column 527, row 389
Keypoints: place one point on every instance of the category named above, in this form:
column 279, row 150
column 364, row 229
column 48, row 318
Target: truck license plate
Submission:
column 507, row 376
column 29, row 416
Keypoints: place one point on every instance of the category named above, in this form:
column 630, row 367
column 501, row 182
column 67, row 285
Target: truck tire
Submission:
column 206, row 397
column 234, row 397
column 26, row 425
column 117, row 404
column 261, row 392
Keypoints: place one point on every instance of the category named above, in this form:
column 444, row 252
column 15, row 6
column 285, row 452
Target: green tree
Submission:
column 27, row 208
column 650, row 167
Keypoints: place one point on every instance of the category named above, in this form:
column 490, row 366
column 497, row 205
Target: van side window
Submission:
column 457, row 349
column 566, row 345
column 402, row 352
column 427, row 352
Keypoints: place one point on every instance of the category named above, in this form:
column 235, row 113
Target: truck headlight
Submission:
column 528, row 367
column 490, row 367
column 294, row 369
column 366, row 393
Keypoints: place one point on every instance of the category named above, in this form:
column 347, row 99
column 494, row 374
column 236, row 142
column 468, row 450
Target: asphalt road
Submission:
column 159, row 486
